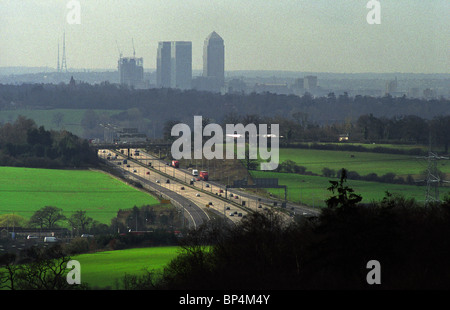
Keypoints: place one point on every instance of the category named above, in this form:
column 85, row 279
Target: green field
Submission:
column 312, row 190
column 25, row 190
column 361, row 162
column 102, row 269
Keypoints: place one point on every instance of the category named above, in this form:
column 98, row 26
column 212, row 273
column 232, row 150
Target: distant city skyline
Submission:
column 284, row 35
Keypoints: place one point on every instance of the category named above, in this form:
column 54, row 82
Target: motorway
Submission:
column 197, row 198
column 194, row 202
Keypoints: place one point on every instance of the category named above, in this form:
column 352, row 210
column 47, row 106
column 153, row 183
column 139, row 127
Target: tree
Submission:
column 345, row 195
column 40, row 269
column 80, row 221
column 47, row 217
column 57, row 119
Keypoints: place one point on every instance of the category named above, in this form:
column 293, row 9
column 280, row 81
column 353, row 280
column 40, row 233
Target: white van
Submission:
column 195, row 172
column 50, row 239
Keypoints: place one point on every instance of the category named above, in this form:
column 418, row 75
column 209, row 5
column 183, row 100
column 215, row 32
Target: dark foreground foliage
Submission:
column 411, row 243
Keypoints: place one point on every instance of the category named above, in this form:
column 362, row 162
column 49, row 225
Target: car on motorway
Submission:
column 207, row 185
column 30, row 237
column 134, row 170
column 231, row 214
column 167, row 181
column 236, row 197
column 157, row 181
column 228, row 208
column 182, row 187
column 148, row 172
column 128, row 166
column 210, row 203
column 198, row 195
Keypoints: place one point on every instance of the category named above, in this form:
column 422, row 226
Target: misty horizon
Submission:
column 294, row 36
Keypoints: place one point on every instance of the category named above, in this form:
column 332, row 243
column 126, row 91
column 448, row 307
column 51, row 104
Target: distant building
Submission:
column 130, row 135
column 174, row 64
column 214, row 61
column 131, row 71
column 298, row 87
column 281, row 89
column 391, row 86
column 181, row 65
column 310, row 82
column 163, row 65
column 414, row 92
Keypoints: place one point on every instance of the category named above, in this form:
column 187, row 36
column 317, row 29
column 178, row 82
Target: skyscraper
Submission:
column 163, row 64
column 214, row 60
column 131, row 71
column 181, row 65
column 174, row 64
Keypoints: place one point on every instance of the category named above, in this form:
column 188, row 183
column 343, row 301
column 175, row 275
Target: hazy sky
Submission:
column 294, row 35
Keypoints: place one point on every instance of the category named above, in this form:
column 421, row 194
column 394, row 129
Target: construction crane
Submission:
column 118, row 49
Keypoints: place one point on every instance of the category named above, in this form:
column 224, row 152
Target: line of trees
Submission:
column 24, row 144
column 150, row 109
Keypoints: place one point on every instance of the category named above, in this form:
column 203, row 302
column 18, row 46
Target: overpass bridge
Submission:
column 127, row 145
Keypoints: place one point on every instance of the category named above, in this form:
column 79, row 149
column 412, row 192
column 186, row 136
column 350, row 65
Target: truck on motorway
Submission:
column 125, row 161
column 195, row 172
column 175, row 163
column 204, row 175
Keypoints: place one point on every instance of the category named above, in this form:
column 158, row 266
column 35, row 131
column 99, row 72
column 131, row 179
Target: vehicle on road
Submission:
column 157, row 181
column 195, row 172
column 167, row 181
column 204, row 175
column 175, row 163
column 182, row 188
column 197, row 195
column 50, row 239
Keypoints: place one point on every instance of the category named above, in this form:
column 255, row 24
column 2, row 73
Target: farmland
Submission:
column 361, row 162
column 102, row 269
column 26, row 190
column 312, row 190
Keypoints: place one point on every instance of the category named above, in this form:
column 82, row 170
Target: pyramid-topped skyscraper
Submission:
column 214, row 60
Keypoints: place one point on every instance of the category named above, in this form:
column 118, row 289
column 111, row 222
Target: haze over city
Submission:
column 292, row 35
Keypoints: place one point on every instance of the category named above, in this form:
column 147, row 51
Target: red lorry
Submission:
column 204, row 175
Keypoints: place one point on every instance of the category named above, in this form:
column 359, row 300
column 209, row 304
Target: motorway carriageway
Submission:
column 195, row 202
column 212, row 197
